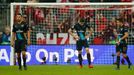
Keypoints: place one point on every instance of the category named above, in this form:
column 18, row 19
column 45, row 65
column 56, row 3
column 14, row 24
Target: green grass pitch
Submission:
column 66, row 70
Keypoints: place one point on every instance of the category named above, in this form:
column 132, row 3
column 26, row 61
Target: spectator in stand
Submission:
column 5, row 36
column 101, row 22
column 98, row 40
column 108, row 35
column 126, row 17
column 64, row 26
column 113, row 22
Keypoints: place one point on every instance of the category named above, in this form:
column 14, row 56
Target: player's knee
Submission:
column 79, row 52
column 23, row 53
column 118, row 53
column 87, row 50
column 124, row 55
column 18, row 55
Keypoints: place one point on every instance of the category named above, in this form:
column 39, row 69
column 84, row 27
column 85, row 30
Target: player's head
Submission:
column 81, row 21
column 24, row 18
column 119, row 22
column 7, row 30
column 18, row 17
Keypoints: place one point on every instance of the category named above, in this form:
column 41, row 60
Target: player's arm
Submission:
column 70, row 31
column 115, row 33
column 13, row 39
column 13, row 36
column 90, row 32
column 60, row 26
column 125, row 36
column 116, row 36
column 27, row 34
column 28, row 37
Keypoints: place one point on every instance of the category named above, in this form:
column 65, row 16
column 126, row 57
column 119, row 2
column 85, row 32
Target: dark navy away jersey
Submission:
column 20, row 29
column 81, row 30
column 121, row 32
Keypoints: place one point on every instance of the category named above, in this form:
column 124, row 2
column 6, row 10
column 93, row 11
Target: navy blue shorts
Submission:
column 20, row 45
column 81, row 43
column 121, row 48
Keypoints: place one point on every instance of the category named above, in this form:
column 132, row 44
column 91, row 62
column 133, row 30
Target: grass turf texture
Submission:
column 66, row 70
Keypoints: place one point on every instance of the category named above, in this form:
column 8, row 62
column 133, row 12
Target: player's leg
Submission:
column 19, row 60
column 122, row 61
column 88, row 53
column 80, row 58
column 89, row 58
column 23, row 47
column 125, row 56
column 79, row 48
column 127, row 59
column 24, row 59
column 15, row 58
column 118, row 56
column 118, row 60
column 18, row 51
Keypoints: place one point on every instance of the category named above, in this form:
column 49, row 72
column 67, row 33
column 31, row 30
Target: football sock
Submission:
column 89, row 58
column 127, row 58
column 24, row 61
column 80, row 59
column 118, row 61
column 19, row 61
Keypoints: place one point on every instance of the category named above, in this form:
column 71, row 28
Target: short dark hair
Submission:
column 19, row 14
column 82, row 20
column 119, row 19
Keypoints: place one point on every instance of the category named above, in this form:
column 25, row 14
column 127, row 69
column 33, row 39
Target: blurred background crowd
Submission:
column 59, row 20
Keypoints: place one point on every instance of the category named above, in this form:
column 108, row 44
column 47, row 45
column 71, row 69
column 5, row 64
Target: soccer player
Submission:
column 121, row 45
column 83, row 31
column 19, row 37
